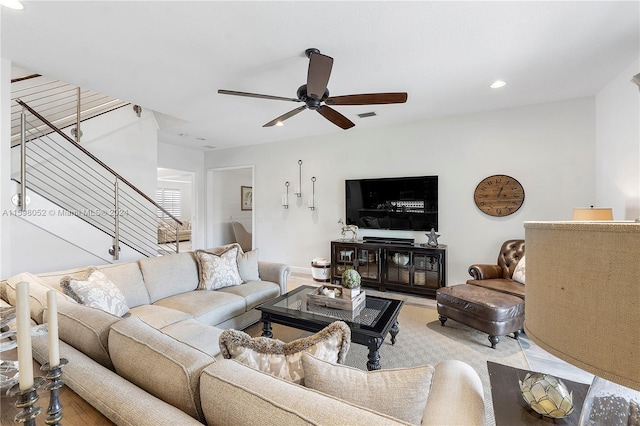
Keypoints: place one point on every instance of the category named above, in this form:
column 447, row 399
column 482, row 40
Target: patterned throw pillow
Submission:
column 518, row 273
column 401, row 392
column 284, row 360
column 97, row 291
column 218, row 271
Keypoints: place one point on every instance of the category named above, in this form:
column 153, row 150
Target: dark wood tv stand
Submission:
column 411, row 268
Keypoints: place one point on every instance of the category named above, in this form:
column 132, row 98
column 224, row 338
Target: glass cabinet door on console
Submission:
column 398, row 266
column 426, row 270
column 350, row 256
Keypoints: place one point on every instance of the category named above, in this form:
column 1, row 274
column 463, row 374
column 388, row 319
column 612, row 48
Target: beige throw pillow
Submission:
column 518, row 273
column 248, row 266
column 401, row 393
column 218, row 270
column 284, row 360
column 97, row 291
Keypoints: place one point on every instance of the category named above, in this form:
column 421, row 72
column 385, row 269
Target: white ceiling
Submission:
column 173, row 56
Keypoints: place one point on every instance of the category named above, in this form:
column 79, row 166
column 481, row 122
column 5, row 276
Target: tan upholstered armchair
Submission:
column 500, row 277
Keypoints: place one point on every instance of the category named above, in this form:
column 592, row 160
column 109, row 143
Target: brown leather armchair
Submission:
column 499, row 277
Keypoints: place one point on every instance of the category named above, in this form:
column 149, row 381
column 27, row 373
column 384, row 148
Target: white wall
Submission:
column 223, row 192
column 549, row 148
column 618, row 146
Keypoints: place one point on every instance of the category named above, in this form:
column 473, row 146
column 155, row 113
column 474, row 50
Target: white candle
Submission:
column 23, row 325
column 52, row 319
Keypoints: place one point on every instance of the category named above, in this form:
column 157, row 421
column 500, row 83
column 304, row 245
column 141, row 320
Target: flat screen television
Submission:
column 398, row 203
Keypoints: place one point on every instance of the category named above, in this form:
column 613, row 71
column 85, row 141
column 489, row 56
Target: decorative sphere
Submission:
column 547, row 395
column 350, row 278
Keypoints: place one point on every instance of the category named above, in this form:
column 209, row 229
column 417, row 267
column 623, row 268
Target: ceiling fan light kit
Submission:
column 315, row 94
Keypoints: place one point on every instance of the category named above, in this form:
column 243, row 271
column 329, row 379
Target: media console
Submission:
column 391, row 265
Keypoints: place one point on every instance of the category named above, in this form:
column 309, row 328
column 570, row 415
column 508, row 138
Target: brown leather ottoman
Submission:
column 489, row 311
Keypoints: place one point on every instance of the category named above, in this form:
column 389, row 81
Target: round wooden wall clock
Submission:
column 499, row 195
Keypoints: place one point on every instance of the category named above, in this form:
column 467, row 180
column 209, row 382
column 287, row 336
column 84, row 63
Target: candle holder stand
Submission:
column 54, row 412
column 26, row 399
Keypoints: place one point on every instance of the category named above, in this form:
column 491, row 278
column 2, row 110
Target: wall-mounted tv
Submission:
column 399, row 203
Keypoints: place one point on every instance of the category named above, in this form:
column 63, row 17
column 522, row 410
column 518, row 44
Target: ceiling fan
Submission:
column 315, row 94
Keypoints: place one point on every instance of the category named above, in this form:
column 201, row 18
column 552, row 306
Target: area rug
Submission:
column 422, row 340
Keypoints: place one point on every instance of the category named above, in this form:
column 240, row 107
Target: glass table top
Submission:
column 296, row 304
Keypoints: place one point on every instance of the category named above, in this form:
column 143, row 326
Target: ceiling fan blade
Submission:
column 318, row 75
column 256, row 95
column 335, row 117
column 368, row 99
column 285, row 116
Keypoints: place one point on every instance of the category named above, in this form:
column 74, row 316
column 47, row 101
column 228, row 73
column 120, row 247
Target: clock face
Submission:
column 499, row 195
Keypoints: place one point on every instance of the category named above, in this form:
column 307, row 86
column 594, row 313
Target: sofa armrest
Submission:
column 274, row 272
column 456, row 396
column 485, row 272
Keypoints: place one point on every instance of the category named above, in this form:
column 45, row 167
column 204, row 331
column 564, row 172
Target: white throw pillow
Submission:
column 218, row 271
column 518, row 273
column 97, row 291
column 248, row 265
column 401, row 392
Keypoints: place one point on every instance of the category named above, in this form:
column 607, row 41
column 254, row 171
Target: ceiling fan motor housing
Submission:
column 312, row 103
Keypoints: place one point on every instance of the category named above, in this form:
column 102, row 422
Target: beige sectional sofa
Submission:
column 160, row 364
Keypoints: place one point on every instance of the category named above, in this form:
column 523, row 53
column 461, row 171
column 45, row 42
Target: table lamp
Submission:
column 583, row 306
column 591, row 213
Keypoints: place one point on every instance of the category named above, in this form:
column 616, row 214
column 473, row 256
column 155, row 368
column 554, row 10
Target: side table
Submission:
column 510, row 408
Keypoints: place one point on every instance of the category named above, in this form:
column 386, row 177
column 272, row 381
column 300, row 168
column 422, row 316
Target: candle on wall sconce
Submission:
column 285, row 196
column 312, row 199
column 298, row 188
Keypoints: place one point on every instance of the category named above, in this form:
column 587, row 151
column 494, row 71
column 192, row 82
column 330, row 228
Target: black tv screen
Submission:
column 401, row 203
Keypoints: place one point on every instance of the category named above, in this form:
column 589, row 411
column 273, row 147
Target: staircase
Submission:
column 64, row 189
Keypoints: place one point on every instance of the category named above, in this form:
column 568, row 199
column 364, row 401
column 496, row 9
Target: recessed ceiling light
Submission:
column 184, row 135
column 12, row 4
column 498, row 84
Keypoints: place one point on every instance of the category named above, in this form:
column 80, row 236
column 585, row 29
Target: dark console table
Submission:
column 396, row 266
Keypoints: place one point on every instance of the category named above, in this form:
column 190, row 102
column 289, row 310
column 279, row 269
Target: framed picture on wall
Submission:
column 246, row 198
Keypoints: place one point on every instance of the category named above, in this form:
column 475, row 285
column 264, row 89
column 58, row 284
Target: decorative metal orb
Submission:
column 547, row 395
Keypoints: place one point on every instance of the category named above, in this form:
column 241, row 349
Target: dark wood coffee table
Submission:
column 369, row 328
column 510, row 408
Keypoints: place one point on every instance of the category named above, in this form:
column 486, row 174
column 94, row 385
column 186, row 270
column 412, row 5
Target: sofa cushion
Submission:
column 208, row 307
column 97, row 291
column 191, row 332
column 169, row 275
column 159, row 364
column 254, row 292
column 401, row 393
column 128, row 278
column 218, row 270
column 86, row 329
column 284, row 360
column 159, row 316
column 235, row 394
column 248, row 265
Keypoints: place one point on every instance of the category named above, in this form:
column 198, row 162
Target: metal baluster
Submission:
column 22, row 197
